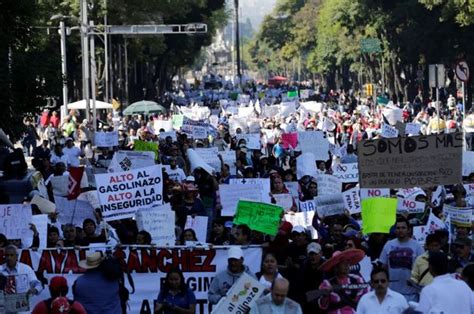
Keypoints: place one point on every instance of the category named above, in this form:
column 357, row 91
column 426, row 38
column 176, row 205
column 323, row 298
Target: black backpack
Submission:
column 113, row 270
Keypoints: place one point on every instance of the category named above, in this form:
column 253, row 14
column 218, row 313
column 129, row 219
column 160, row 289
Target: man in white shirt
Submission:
column 73, row 153
column 381, row 299
column 58, row 156
column 445, row 294
column 176, row 174
column 276, row 302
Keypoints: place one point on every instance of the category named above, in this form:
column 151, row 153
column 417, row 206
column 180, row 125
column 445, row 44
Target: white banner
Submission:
column 347, row 172
column 230, row 194
column 106, row 139
column 158, row 222
column 252, row 141
column 148, row 267
column 125, row 160
column 352, row 200
column 121, row 194
column 15, row 220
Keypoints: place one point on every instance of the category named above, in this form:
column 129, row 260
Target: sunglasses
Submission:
column 379, row 281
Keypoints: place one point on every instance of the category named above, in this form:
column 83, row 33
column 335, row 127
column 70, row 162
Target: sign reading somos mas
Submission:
column 410, row 161
column 121, row 194
column 148, row 267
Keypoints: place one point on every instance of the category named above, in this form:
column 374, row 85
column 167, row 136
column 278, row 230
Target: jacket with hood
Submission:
column 222, row 283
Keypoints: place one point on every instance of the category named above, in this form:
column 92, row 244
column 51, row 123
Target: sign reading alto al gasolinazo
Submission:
column 405, row 162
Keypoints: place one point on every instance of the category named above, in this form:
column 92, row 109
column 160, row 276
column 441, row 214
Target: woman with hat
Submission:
column 338, row 296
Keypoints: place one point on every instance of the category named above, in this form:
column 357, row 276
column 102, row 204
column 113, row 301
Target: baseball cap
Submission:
column 190, row 179
column 313, row 247
column 60, row 305
column 298, row 229
column 69, row 139
column 463, row 241
column 235, row 252
column 57, row 283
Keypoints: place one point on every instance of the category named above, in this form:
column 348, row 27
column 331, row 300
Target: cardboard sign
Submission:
column 347, row 173
column 328, row 184
column 329, row 205
column 314, row 142
column 352, row 200
column 106, row 139
column 44, row 205
column 230, row 194
column 241, row 296
column 199, row 225
column 412, row 128
column 410, row 206
column 252, row 141
column 142, row 146
column 378, row 214
column 121, row 194
column 158, row 221
column 365, row 193
column 410, row 161
column 264, row 183
column 74, row 211
column 389, row 131
column 125, row 160
column 15, row 220
column 258, row 216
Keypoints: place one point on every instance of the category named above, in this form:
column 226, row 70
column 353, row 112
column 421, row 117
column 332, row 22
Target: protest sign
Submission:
column 245, row 111
column 166, row 125
column 195, row 161
column 314, row 142
column 230, row 194
column 159, row 222
column 307, row 206
column 329, row 205
column 41, row 224
column 258, row 216
column 378, row 214
column 410, row 193
column 252, row 141
column 389, row 131
column 306, row 165
column 312, row 106
column 410, row 206
column 44, row 205
column 347, row 173
column 199, row 225
column 164, row 135
column 460, row 216
column 228, row 156
column 142, row 146
column 393, row 114
column 289, row 140
column 209, row 156
column 15, row 220
column 412, row 128
column 90, row 197
column 421, row 232
column 467, row 163
column 177, row 121
column 287, row 108
column 284, row 200
column 305, row 93
column 147, row 266
column 404, row 162
column 60, row 185
column 125, row 160
column 328, row 184
column 121, row 194
column 352, row 200
column 364, row 193
column 293, row 187
column 74, row 211
column 199, row 132
column 264, row 183
column 241, row 296
column 469, row 188
column 106, row 139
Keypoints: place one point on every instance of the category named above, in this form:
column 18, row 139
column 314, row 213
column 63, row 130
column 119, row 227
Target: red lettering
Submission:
column 121, row 178
column 58, row 257
column 45, row 263
column 134, row 262
column 161, row 257
column 25, row 258
column 374, row 193
column 149, row 262
column 71, row 263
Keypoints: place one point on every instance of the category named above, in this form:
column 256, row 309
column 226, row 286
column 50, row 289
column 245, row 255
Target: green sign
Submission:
column 259, row 216
column 378, row 214
column 382, row 100
column 142, row 146
column 177, row 121
column 370, row 45
column 292, row 94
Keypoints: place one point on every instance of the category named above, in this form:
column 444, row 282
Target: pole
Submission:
column 93, row 76
column 383, row 76
column 126, row 70
column 437, row 94
column 85, row 58
column 106, row 55
column 62, row 27
column 237, row 40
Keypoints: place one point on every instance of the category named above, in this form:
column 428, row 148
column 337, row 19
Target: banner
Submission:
column 142, row 146
column 15, row 220
column 347, row 173
column 460, row 216
column 125, row 160
column 147, row 266
column 230, row 194
column 158, row 222
column 106, row 139
column 261, row 217
column 252, row 141
column 314, row 142
column 352, row 200
column 404, row 162
column 121, row 194
column 378, row 214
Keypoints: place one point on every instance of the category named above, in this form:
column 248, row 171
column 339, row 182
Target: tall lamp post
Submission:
column 62, row 32
column 237, row 40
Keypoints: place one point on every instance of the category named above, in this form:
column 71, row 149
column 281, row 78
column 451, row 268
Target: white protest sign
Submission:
column 121, row 194
column 15, row 220
column 393, row 114
column 209, row 156
column 352, row 200
column 166, row 125
column 228, row 157
column 328, row 184
column 164, row 135
column 410, row 206
column 467, row 163
column 312, row 106
column 293, row 187
column 460, row 216
column 245, row 111
column 287, row 108
column 314, row 142
column 90, row 197
column 195, row 161
column 252, row 141
column 60, row 185
column 125, row 160
column 421, row 232
column 41, row 224
column 284, row 200
column 230, row 194
column 106, row 139
column 241, row 296
column 365, row 193
column 306, row 165
column 159, row 222
column 304, row 219
column 214, row 120
column 347, row 172
column 410, row 193
column 304, row 93
column 264, row 183
column 44, row 205
column 389, row 131
column 199, row 225
column 329, row 205
column 199, row 132
column 74, row 211
column 412, row 128
column 307, row 206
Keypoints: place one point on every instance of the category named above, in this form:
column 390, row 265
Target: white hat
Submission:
column 299, row 229
column 313, row 247
column 190, row 179
column 92, row 261
column 235, row 252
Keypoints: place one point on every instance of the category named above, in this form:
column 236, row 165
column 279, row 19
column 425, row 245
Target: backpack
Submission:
column 113, row 270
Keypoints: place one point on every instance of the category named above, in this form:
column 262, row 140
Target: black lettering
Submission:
column 395, row 143
column 369, row 144
column 382, row 146
column 423, row 139
column 410, row 145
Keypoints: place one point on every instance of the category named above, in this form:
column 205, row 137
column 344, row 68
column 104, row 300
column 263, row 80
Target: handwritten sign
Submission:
column 106, row 139
column 199, row 225
column 289, row 140
column 328, row 184
column 15, row 220
column 410, row 161
column 209, row 156
column 44, row 205
column 389, row 131
column 284, row 200
column 230, row 194
column 198, row 132
column 166, row 125
column 121, row 194
column 306, row 165
column 257, row 216
column 352, row 200
column 156, row 221
column 347, row 172
column 412, row 128
column 264, row 183
column 378, row 214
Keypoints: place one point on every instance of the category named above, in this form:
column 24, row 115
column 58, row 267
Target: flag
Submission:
column 75, row 177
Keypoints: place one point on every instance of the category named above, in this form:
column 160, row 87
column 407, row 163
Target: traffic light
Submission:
column 369, row 89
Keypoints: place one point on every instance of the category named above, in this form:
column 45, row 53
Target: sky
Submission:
column 255, row 10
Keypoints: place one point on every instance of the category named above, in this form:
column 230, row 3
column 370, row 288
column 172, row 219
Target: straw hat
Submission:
column 353, row 256
column 92, row 261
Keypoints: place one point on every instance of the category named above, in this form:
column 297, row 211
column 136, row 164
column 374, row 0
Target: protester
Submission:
column 420, row 274
column 175, row 295
column 277, row 301
column 269, row 272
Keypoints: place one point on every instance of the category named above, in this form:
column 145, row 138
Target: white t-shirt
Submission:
column 73, row 155
column 176, row 174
